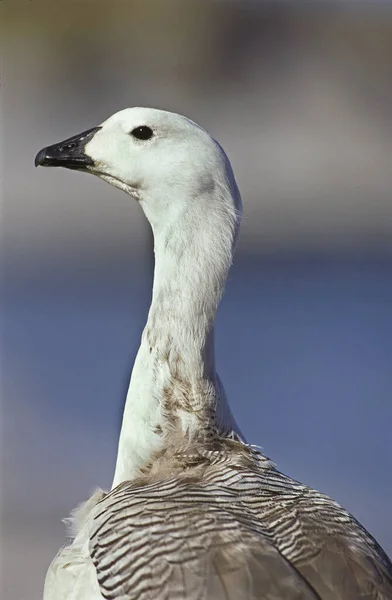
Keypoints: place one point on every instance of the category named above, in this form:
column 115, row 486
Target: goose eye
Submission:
column 142, row 133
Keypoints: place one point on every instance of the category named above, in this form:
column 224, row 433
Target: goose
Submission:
column 194, row 511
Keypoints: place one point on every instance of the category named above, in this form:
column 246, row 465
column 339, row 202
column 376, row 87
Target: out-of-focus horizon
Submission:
column 300, row 97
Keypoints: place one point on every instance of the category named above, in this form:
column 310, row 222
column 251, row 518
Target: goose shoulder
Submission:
column 225, row 524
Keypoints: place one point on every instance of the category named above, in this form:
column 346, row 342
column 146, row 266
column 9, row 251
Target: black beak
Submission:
column 69, row 153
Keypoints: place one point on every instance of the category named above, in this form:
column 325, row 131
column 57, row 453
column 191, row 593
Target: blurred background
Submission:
column 300, row 96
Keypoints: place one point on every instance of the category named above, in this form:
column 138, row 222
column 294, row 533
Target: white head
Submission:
column 164, row 160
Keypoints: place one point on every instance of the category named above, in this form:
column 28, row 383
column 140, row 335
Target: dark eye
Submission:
column 142, row 133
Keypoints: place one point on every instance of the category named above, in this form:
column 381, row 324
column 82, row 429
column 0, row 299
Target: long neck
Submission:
column 174, row 388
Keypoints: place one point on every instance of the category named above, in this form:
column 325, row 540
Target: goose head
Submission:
column 168, row 163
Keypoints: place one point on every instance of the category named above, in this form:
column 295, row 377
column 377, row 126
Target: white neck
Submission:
column 174, row 387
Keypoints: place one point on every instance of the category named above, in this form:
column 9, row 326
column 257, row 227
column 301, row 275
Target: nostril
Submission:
column 69, row 146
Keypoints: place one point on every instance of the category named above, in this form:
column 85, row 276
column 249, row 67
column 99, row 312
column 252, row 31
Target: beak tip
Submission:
column 40, row 158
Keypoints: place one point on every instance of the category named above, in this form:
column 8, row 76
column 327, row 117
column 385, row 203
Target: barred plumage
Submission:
column 232, row 520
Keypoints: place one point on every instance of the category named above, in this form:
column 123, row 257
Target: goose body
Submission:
column 194, row 512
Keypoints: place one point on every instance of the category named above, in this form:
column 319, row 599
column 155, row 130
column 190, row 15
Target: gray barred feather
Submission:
column 224, row 524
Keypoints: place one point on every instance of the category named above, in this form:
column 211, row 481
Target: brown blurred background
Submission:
column 300, row 96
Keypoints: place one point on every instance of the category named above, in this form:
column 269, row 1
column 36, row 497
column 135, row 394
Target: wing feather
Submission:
column 177, row 550
column 233, row 529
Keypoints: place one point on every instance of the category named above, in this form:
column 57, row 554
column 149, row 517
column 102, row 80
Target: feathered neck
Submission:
column 174, row 388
